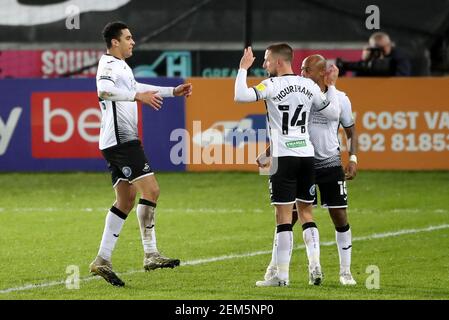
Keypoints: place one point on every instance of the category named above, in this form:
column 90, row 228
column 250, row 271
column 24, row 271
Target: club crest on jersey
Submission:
column 127, row 171
column 146, row 168
column 312, row 190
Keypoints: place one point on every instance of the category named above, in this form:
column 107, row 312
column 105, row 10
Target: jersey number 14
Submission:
column 294, row 121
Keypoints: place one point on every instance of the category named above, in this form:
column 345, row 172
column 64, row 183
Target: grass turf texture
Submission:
column 51, row 221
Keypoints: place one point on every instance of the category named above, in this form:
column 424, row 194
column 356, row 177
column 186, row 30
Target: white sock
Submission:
column 145, row 215
column 311, row 238
column 344, row 245
column 113, row 225
column 284, row 239
column 273, row 261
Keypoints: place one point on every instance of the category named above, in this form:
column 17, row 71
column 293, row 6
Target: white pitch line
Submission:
column 202, row 210
column 167, row 210
column 238, row 256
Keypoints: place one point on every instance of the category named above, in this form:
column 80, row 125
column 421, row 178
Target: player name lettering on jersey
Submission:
column 293, row 89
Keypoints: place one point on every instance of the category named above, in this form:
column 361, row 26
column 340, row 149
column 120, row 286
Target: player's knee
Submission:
column 342, row 222
column 130, row 203
column 155, row 191
column 126, row 205
column 305, row 215
column 152, row 193
column 339, row 217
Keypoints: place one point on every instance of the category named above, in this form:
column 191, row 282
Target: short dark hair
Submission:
column 283, row 50
column 113, row 30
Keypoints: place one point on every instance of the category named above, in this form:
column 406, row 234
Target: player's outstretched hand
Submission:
column 351, row 171
column 330, row 79
column 184, row 89
column 150, row 98
column 248, row 58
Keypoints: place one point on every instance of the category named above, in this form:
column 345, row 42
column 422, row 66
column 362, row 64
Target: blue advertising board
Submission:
column 53, row 125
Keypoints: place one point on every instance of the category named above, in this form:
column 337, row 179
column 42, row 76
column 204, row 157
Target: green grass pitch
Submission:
column 221, row 227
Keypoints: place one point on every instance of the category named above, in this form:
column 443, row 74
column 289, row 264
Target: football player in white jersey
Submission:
column 289, row 99
column 119, row 143
column 330, row 176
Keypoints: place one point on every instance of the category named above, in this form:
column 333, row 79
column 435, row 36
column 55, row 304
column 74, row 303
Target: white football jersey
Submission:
column 324, row 133
column 119, row 118
column 289, row 100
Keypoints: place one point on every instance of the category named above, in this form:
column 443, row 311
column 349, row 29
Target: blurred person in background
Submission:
column 381, row 48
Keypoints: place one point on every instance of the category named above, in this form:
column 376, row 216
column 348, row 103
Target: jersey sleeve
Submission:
column 326, row 104
column 108, row 72
column 264, row 90
column 320, row 100
column 107, row 88
column 241, row 91
column 162, row 91
column 346, row 118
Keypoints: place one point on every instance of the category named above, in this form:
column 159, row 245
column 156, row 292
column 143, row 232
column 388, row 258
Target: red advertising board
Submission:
column 66, row 125
column 48, row 63
column 329, row 54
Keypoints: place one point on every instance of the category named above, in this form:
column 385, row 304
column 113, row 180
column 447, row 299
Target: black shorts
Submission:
column 293, row 181
column 127, row 161
column 332, row 186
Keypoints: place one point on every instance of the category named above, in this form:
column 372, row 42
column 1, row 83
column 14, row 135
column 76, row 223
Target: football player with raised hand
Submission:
column 330, row 175
column 289, row 100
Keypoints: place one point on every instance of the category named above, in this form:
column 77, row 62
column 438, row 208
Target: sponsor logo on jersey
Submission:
column 260, row 87
column 127, row 171
column 296, row 144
